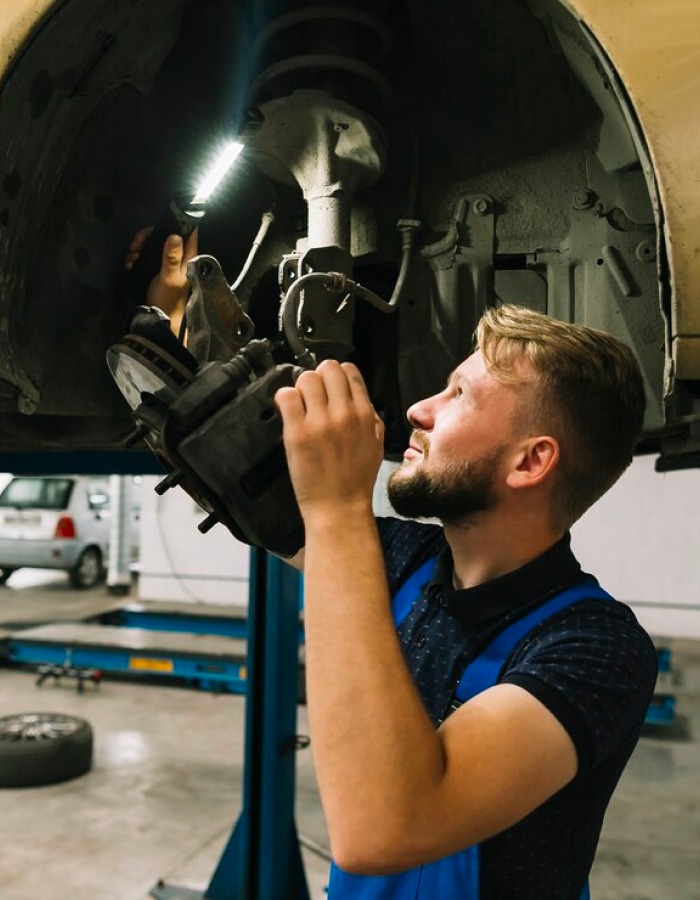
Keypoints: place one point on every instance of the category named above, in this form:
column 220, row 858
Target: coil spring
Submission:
column 317, row 47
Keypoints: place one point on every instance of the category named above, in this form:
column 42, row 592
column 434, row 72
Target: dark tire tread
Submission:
column 76, row 577
column 31, row 763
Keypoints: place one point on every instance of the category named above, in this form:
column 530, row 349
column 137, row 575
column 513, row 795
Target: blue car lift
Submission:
column 662, row 708
column 188, row 620
column 209, row 662
column 191, row 619
column 262, row 859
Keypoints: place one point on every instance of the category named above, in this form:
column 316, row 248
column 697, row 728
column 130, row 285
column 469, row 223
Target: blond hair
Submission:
column 587, row 392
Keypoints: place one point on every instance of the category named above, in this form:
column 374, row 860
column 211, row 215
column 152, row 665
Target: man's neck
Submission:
column 489, row 547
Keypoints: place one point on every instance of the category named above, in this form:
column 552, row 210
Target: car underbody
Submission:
column 498, row 134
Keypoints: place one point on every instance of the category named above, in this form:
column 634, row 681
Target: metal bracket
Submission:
column 445, row 298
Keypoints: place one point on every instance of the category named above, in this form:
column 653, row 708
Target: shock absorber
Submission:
column 317, row 73
column 317, row 76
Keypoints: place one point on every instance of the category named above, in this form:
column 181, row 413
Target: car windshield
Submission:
column 37, row 493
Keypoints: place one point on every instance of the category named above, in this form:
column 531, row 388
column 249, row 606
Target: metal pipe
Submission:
column 267, row 219
column 288, row 317
column 118, row 574
column 337, row 281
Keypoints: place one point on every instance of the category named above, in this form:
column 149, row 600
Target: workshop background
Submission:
column 430, row 159
column 164, row 791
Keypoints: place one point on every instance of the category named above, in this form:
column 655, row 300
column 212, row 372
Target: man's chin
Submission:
column 401, row 477
column 458, row 494
column 403, row 495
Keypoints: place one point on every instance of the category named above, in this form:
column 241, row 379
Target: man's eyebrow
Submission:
column 456, row 378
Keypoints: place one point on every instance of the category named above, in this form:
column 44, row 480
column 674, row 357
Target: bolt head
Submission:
column 645, row 251
column 584, row 199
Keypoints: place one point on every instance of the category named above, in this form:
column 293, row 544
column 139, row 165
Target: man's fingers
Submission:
column 290, row 405
column 140, row 238
column 172, row 253
column 176, row 254
column 331, row 389
column 361, row 398
column 356, row 383
column 335, row 382
column 344, row 391
column 136, row 245
column 378, row 429
column 343, row 383
column 312, row 389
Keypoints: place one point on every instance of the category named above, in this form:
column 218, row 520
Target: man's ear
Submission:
column 534, row 462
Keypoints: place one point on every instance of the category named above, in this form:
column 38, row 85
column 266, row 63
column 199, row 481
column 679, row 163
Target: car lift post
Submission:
column 262, row 859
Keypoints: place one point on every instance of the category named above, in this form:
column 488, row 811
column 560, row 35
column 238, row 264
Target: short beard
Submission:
column 454, row 495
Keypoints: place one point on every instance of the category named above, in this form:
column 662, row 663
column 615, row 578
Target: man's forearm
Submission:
column 375, row 750
column 377, row 757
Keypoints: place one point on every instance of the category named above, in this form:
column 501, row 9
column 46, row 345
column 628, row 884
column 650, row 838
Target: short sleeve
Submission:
column 594, row 667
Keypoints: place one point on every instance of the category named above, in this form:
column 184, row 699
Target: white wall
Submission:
column 178, row 563
column 641, row 542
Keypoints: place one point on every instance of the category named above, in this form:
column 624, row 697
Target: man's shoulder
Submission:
column 593, row 640
column 589, row 619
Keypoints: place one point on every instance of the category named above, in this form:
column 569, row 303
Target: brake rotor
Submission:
column 141, row 368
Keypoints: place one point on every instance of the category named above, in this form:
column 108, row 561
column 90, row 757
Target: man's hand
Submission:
column 169, row 289
column 333, row 439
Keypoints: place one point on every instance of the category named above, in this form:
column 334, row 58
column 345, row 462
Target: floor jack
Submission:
column 79, row 673
column 262, row 859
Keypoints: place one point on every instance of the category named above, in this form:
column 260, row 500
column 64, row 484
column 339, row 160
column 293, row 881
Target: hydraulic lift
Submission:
column 209, row 662
column 262, row 859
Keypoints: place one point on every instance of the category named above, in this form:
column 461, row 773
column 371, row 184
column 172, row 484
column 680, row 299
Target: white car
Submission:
column 56, row 522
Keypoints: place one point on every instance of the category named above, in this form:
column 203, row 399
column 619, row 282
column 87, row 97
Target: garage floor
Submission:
column 164, row 792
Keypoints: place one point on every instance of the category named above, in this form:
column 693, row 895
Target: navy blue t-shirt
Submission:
column 592, row 665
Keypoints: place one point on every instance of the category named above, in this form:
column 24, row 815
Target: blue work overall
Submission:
column 455, row 877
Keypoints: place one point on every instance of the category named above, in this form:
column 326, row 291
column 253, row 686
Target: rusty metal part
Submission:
column 329, row 149
column 649, row 61
column 216, row 322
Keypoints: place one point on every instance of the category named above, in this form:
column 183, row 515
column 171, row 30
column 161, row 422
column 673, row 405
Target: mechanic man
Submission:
column 529, row 432
column 446, row 739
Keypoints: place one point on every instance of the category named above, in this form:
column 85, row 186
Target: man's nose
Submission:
column 421, row 414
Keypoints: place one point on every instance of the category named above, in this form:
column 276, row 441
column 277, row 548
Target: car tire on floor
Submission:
column 88, row 570
column 43, row 748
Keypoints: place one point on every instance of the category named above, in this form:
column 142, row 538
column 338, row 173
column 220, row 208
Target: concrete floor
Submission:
column 164, row 793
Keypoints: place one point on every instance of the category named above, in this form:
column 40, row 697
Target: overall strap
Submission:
column 483, row 672
column 409, row 591
column 459, row 874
